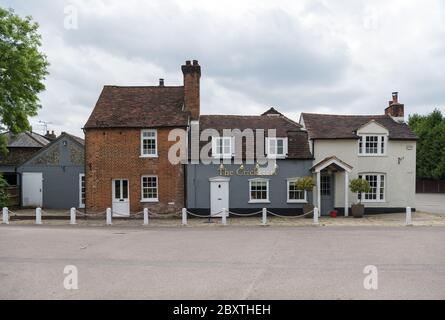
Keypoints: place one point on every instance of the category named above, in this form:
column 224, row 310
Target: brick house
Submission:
column 126, row 145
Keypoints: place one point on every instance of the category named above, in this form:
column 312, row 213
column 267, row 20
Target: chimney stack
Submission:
column 395, row 109
column 50, row 136
column 192, row 76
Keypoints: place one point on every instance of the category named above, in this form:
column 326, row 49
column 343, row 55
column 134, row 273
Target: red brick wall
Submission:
column 115, row 154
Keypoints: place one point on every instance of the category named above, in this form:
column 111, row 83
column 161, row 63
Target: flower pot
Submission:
column 358, row 210
column 333, row 214
column 308, row 208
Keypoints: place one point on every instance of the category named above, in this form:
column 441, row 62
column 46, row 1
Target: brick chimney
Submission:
column 192, row 76
column 50, row 136
column 395, row 109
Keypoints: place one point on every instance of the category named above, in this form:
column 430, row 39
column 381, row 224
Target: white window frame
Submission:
column 289, row 200
column 142, row 189
column 267, row 191
column 381, row 138
column 223, row 155
column 379, row 180
column 275, row 155
column 146, row 155
column 81, row 205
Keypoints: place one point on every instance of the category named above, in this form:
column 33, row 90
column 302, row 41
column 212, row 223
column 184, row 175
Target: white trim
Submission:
column 378, row 174
column 142, row 189
column 219, row 179
column 143, row 155
column 380, row 137
column 273, row 155
column 267, row 190
column 223, row 155
column 287, row 192
column 81, row 205
column 327, row 164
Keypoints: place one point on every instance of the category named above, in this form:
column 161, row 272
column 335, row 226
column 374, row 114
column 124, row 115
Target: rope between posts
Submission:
column 13, row 213
column 245, row 214
column 281, row 216
column 202, row 216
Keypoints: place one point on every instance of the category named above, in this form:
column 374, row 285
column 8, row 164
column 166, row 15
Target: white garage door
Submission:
column 32, row 189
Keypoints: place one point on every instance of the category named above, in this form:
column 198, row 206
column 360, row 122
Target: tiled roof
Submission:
column 139, row 107
column 328, row 126
column 26, row 140
column 298, row 146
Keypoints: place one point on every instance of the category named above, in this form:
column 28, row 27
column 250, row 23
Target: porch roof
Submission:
column 331, row 162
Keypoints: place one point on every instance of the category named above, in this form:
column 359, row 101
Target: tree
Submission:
column 431, row 145
column 359, row 186
column 22, row 71
column 4, row 199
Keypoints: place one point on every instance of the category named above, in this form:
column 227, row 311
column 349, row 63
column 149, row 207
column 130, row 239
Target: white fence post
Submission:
column 408, row 217
column 264, row 221
column 73, row 216
column 224, row 216
column 145, row 216
column 109, row 219
column 5, row 216
column 184, row 216
column 38, row 215
column 315, row 214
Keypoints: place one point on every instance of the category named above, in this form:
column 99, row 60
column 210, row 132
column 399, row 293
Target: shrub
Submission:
column 306, row 183
column 359, row 186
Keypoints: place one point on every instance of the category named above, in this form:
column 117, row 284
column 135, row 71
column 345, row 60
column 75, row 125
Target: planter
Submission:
column 358, row 210
column 308, row 208
column 333, row 214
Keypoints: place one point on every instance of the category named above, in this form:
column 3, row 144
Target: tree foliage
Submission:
column 4, row 199
column 305, row 183
column 431, row 145
column 359, row 186
column 22, row 71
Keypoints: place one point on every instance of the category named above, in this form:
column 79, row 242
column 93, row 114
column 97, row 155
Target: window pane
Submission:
column 125, row 189
column 82, row 190
column 325, row 187
column 117, row 189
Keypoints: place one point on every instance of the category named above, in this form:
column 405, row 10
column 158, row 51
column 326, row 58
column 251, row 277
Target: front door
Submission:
column 121, row 201
column 219, row 195
column 32, row 189
column 327, row 193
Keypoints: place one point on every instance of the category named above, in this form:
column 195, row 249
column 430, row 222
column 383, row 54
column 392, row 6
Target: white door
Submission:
column 32, row 185
column 121, row 201
column 219, row 195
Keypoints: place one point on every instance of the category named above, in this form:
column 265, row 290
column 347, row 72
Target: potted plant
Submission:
column 306, row 184
column 358, row 186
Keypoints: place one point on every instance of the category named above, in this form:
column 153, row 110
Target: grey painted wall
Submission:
column 60, row 165
column 198, row 185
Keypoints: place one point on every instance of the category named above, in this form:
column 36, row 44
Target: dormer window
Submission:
column 222, row 147
column 276, row 147
column 372, row 145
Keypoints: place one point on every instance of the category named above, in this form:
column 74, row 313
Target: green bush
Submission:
column 359, row 186
column 305, row 183
column 3, row 193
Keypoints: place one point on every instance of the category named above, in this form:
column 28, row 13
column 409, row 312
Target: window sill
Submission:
column 150, row 156
column 372, row 155
column 373, row 201
column 259, row 201
column 149, row 201
column 296, row 201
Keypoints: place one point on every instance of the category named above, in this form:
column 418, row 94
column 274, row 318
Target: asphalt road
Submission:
column 222, row 263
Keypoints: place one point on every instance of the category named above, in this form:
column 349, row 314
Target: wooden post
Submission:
column 184, row 216
column 109, row 218
column 38, row 215
column 315, row 214
column 408, row 217
column 5, row 215
column 264, row 222
column 73, row 216
column 146, row 217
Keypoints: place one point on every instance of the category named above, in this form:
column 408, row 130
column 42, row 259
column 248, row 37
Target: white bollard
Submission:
column 315, row 215
column 73, row 216
column 408, row 217
column 145, row 216
column 264, row 220
column 5, row 216
column 184, row 216
column 38, row 215
column 109, row 218
column 224, row 216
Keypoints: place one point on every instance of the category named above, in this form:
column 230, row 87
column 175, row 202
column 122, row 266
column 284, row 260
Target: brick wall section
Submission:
column 115, row 154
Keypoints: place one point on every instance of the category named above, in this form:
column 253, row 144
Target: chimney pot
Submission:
column 195, row 63
column 395, row 97
column 161, row 82
column 188, row 63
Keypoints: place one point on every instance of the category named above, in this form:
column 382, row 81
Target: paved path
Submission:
column 431, row 202
column 222, row 263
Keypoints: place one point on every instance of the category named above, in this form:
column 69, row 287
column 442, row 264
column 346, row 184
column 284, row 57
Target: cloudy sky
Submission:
column 315, row 56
